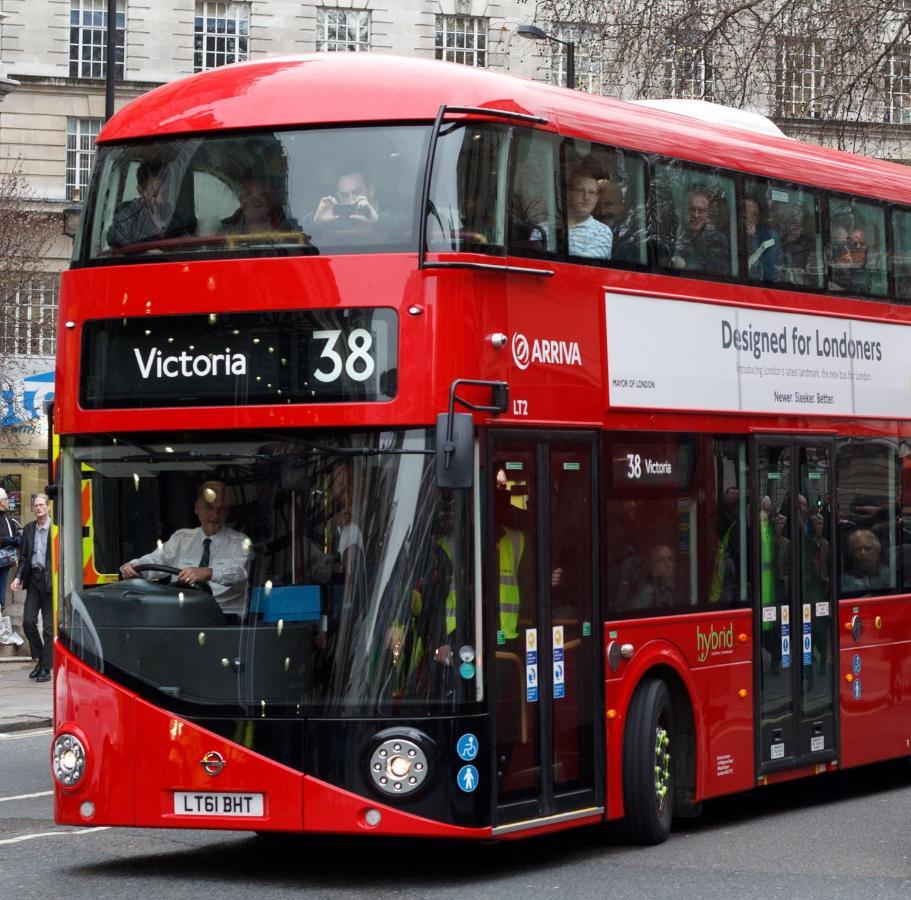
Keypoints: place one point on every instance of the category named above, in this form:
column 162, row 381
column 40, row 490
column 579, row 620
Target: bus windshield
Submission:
column 271, row 192
column 341, row 576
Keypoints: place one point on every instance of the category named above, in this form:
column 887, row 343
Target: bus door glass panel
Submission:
column 901, row 254
column 856, row 249
column 796, row 618
column 468, row 190
column 818, row 619
column 695, row 220
column 535, row 215
column 572, row 615
column 780, row 229
column 519, row 644
column 605, row 203
column 779, row 640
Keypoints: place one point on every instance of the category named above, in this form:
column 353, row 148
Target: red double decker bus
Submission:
column 551, row 451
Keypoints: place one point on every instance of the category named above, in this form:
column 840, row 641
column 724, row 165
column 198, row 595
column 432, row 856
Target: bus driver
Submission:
column 211, row 554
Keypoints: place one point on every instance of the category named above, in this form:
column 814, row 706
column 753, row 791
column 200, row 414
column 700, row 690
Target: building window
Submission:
column 588, row 49
column 220, row 34
column 898, row 85
column 800, row 79
column 688, row 71
column 89, row 38
column 347, row 30
column 29, row 325
column 461, row 39
column 80, row 154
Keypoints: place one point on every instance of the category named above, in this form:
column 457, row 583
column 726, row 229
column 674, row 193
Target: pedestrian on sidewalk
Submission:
column 34, row 574
column 10, row 531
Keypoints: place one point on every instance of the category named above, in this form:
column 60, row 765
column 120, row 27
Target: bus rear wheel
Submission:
column 648, row 781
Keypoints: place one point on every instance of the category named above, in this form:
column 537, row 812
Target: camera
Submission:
column 344, row 210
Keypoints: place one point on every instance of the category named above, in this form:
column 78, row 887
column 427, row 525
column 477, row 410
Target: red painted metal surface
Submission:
column 876, row 724
column 138, row 756
column 711, row 679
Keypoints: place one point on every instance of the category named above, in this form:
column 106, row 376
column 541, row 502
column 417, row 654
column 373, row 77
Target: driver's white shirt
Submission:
column 229, row 554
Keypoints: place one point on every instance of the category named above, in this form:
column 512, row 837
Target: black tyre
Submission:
column 648, row 783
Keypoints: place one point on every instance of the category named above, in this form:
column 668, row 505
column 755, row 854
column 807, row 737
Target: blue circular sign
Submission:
column 467, row 778
column 466, row 670
column 467, row 747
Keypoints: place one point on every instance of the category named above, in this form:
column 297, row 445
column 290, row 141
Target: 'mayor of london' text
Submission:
column 799, row 343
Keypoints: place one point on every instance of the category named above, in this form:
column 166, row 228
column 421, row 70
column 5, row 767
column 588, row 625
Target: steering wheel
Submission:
column 171, row 570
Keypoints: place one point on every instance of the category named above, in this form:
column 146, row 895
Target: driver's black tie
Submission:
column 204, row 561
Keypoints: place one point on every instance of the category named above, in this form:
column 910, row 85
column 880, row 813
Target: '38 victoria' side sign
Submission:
column 251, row 358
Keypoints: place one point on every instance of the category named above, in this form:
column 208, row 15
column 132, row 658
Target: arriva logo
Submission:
column 186, row 366
column 551, row 353
column 713, row 642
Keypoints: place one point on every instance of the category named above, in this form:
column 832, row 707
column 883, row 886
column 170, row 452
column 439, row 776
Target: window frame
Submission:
column 97, row 38
column 202, row 37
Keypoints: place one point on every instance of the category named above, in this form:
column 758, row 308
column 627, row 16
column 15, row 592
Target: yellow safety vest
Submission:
column 767, row 569
column 445, row 544
column 511, row 546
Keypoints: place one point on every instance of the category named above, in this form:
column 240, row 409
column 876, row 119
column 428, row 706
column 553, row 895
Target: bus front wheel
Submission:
column 648, row 788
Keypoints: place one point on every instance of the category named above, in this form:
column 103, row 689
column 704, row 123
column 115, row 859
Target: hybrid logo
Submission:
column 551, row 353
column 714, row 642
column 186, row 366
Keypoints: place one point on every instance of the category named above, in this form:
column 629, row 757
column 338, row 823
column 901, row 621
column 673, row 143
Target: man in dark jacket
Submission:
column 34, row 574
column 9, row 541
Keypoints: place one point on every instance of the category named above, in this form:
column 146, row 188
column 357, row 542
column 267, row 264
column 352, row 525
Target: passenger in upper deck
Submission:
column 587, row 236
column 354, row 201
column 259, row 211
column 700, row 246
column 848, row 266
column 763, row 243
column 154, row 214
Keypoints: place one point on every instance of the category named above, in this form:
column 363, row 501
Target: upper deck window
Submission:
column 696, row 222
column 857, row 247
column 317, row 191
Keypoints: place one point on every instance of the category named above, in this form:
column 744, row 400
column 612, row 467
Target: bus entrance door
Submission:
column 795, row 632
column 541, row 585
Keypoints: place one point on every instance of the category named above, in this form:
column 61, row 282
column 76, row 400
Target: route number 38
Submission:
column 357, row 363
column 634, row 466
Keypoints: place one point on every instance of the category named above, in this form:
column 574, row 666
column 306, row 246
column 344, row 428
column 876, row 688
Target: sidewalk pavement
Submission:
column 23, row 703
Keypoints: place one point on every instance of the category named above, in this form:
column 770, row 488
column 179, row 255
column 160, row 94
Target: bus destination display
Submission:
column 308, row 356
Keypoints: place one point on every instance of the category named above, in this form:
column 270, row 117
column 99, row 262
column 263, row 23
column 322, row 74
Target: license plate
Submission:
column 217, row 804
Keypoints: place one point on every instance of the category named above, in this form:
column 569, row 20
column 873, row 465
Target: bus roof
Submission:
column 349, row 88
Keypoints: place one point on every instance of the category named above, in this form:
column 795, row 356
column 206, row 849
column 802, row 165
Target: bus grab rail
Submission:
column 444, row 110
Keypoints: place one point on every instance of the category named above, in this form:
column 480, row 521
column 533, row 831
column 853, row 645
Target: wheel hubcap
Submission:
column 662, row 766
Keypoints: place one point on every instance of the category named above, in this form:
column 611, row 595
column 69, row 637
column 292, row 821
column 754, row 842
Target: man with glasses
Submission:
column 354, row 200
column 587, row 236
column 700, row 246
column 849, row 259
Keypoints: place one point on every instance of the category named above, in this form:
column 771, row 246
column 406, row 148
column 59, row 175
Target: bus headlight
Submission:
column 68, row 760
column 398, row 766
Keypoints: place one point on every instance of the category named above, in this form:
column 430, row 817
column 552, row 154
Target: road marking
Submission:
column 31, row 837
column 27, row 796
column 22, row 735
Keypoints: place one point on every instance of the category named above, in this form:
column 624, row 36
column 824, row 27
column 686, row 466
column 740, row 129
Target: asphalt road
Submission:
column 841, row 836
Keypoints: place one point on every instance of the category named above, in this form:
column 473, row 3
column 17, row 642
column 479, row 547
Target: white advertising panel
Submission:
column 678, row 354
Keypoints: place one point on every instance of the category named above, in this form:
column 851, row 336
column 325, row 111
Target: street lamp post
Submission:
column 533, row 33
column 110, row 57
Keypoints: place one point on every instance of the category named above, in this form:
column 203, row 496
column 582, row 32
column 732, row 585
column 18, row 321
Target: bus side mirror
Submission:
column 455, row 450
